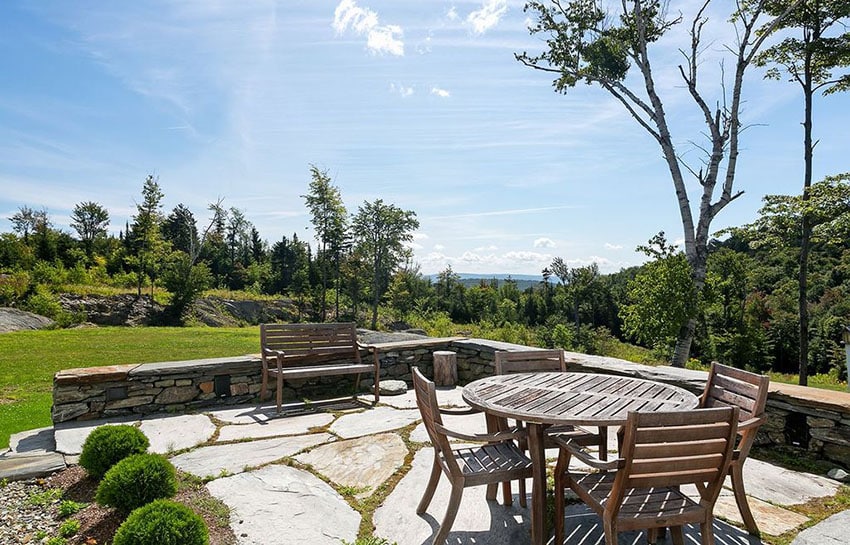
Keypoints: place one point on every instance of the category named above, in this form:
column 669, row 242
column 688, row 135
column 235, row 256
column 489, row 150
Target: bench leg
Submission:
column 279, row 395
column 264, row 392
column 377, row 376
column 356, row 384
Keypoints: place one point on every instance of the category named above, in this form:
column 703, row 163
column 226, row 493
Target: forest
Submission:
column 359, row 268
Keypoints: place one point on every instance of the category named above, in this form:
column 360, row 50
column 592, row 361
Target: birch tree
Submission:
column 584, row 43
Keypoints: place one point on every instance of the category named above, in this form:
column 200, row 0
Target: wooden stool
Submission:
column 445, row 368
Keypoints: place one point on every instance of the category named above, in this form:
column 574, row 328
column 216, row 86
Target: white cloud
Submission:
column 452, row 15
column 544, row 242
column 401, row 90
column 528, row 257
column 420, row 236
column 442, row 93
column 439, row 247
column 490, row 248
column 488, row 16
column 609, row 246
column 414, row 245
column 379, row 38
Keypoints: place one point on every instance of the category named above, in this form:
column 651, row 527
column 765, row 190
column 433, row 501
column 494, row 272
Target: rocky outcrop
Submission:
column 126, row 309
column 12, row 319
column 130, row 310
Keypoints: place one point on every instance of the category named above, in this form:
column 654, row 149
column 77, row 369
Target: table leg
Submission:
column 538, row 478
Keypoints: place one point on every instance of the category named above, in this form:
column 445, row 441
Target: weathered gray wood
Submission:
column 445, row 367
column 297, row 351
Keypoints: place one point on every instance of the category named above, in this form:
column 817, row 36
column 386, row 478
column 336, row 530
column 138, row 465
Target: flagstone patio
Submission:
column 274, row 474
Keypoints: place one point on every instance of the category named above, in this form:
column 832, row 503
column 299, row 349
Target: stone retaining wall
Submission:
column 808, row 420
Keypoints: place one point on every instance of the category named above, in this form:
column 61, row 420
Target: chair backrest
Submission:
column 426, row 400
column 674, row 448
column 529, row 361
column 731, row 387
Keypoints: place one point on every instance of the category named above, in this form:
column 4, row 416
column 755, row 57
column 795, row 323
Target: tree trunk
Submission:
column 682, row 350
column 806, row 228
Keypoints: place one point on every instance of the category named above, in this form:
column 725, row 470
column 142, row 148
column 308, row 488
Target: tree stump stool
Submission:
column 445, row 368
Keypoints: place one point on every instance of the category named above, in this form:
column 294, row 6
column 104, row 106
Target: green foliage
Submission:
column 136, row 481
column 368, row 540
column 185, row 280
column 70, row 507
column 56, row 540
column 13, row 287
column 46, row 497
column 69, row 528
column 105, row 446
column 44, row 302
column 162, row 522
column 660, row 299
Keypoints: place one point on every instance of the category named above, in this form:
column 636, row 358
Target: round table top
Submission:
column 574, row 398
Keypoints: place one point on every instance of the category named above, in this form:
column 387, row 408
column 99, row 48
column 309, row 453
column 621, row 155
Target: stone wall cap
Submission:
column 415, row 343
column 165, row 368
column 91, row 375
column 811, row 397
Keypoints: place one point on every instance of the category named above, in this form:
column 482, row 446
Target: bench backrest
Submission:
column 529, row 361
column 305, row 344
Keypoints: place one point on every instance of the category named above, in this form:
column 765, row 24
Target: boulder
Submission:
column 12, row 319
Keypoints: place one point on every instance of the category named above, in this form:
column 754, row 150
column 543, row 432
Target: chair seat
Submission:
column 491, row 460
column 653, row 505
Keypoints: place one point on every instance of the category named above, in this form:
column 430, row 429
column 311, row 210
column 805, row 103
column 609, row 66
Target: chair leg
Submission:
column 451, row 513
column 432, row 486
column 560, row 471
column 507, row 496
column 603, row 443
column 610, row 531
column 678, row 535
column 523, row 500
column 706, row 530
column 356, row 384
column 737, row 472
column 652, row 536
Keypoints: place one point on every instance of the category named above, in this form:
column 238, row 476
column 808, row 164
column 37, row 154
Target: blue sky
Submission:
column 420, row 103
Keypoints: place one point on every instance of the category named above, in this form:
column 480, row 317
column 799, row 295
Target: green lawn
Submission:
column 28, row 360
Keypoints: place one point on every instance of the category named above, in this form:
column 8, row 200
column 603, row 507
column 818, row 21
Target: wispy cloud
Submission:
column 442, row 93
column 402, row 90
column 452, row 15
column 609, row 246
column 488, row 16
column 364, row 21
column 544, row 242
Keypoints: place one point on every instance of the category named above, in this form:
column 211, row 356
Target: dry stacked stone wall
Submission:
column 814, row 423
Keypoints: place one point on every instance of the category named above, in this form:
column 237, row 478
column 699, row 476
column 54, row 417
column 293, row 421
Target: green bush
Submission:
column 108, row 445
column 162, row 522
column 136, row 481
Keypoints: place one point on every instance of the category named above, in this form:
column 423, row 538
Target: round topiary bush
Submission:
column 108, row 445
column 137, row 480
column 162, row 522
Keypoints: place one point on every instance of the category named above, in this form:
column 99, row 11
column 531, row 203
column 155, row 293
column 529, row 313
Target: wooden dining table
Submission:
column 587, row 399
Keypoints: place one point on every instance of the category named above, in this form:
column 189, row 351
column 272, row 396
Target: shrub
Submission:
column 136, row 481
column 108, row 445
column 69, row 507
column 162, row 522
column 69, row 528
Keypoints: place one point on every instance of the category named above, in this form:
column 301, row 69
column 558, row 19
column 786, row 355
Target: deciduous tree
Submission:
column 89, row 219
column 587, row 44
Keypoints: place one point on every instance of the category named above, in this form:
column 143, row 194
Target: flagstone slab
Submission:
column 832, row 531
column 29, row 466
column 70, row 436
column 771, row 519
column 245, row 414
column 368, row 461
column 176, row 432
column 478, row 521
column 32, row 442
column 447, row 396
column 281, row 505
column 371, row 421
column 218, row 460
column 289, row 425
column 782, row 486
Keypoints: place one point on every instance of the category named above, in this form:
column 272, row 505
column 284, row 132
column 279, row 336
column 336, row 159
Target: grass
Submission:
column 29, row 359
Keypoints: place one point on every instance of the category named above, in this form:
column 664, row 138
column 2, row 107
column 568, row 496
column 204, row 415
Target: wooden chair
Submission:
column 660, row 452
column 497, row 460
column 538, row 361
column 731, row 387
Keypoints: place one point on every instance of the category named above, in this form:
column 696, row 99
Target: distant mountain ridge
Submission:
column 523, row 281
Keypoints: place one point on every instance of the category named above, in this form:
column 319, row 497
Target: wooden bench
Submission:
column 297, row 351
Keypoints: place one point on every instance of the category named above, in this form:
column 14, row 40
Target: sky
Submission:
column 419, row 103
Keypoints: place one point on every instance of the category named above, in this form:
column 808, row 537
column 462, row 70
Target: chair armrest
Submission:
column 751, row 423
column 268, row 352
column 369, row 347
column 459, row 412
column 577, row 451
column 497, row 437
